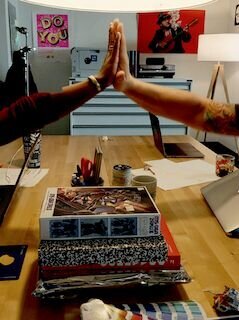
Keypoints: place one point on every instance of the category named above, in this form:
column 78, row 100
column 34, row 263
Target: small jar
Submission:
column 121, row 175
column 224, row 164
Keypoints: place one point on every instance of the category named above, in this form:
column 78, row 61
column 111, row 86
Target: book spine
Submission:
column 168, row 237
column 102, row 251
column 120, row 226
column 48, row 273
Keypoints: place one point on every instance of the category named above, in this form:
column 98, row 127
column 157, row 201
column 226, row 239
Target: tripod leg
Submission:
column 227, row 99
column 211, row 91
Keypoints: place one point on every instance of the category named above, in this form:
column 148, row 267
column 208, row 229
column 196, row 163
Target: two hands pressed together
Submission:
column 35, row 111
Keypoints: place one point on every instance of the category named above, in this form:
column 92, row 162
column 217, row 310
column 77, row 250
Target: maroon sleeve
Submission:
column 26, row 114
column 237, row 115
column 34, row 112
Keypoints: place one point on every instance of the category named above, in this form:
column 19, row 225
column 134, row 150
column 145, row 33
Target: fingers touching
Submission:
column 116, row 65
column 123, row 72
column 114, row 35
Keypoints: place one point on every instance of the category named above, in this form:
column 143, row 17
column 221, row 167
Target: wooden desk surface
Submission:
column 209, row 256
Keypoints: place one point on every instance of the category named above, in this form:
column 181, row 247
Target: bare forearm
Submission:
column 183, row 106
column 76, row 95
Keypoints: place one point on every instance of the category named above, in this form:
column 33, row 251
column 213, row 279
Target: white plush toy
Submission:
column 97, row 310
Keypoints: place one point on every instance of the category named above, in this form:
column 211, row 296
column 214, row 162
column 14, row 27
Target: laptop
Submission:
column 7, row 191
column 172, row 150
column 222, row 196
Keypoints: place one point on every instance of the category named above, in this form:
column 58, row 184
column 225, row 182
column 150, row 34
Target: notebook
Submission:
column 7, row 191
column 222, row 197
column 172, row 150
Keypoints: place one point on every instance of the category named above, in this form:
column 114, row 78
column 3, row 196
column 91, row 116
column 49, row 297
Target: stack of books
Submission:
column 101, row 230
column 103, row 237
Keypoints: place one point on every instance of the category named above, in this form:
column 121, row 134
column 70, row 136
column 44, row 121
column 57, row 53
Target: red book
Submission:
column 172, row 263
column 174, row 258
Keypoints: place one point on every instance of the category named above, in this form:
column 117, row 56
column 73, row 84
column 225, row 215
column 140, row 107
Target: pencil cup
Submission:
column 224, row 164
column 92, row 182
column 76, row 181
column 149, row 182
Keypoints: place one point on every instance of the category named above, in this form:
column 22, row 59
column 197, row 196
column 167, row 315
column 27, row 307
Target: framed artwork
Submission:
column 52, row 31
column 236, row 21
column 12, row 16
column 170, row 32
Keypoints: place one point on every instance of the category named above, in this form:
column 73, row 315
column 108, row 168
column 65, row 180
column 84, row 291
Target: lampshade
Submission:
column 218, row 47
column 120, row 5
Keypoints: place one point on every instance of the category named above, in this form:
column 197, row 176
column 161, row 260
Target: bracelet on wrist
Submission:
column 95, row 82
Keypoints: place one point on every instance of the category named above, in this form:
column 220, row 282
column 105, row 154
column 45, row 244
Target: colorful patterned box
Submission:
column 102, row 251
column 98, row 212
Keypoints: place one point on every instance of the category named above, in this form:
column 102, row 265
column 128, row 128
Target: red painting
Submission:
column 170, row 31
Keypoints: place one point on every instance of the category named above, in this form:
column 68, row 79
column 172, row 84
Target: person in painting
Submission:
column 169, row 39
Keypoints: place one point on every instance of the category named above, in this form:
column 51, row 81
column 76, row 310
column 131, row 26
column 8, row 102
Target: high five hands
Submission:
column 115, row 69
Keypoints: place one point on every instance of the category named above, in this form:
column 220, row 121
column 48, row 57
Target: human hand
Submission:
column 109, row 67
column 123, row 73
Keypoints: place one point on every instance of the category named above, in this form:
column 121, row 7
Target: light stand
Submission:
column 218, row 70
column 28, row 140
column 218, row 47
column 25, row 50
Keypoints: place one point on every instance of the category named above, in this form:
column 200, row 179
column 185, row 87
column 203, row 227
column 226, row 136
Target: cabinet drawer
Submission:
column 112, row 113
column 115, row 118
column 123, row 130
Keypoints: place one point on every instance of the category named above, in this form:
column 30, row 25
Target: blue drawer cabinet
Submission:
column 112, row 113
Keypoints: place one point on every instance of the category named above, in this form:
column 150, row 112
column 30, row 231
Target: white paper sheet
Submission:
column 171, row 175
column 30, row 178
column 8, row 176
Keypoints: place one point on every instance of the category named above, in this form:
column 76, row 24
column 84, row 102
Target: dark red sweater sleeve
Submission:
column 30, row 113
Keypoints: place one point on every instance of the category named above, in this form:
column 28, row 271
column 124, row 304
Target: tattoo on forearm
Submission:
column 222, row 118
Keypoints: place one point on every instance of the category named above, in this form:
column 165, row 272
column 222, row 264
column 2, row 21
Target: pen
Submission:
column 147, row 167
column 79, row 172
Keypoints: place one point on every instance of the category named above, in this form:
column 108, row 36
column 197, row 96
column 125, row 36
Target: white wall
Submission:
column 90, row 30
column 4, row 39
column 52, row 69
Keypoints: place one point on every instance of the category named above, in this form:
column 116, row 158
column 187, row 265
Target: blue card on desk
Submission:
column 11, row 260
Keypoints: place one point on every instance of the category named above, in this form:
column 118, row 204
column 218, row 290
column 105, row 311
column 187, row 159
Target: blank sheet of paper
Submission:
column 171, row 175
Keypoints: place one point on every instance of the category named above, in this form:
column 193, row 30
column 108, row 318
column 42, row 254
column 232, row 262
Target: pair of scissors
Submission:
column 86, row 168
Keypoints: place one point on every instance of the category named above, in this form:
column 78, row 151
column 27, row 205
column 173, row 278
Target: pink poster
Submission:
column 52, row 31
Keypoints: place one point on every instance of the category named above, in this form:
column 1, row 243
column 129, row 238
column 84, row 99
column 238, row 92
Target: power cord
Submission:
column 7, row 177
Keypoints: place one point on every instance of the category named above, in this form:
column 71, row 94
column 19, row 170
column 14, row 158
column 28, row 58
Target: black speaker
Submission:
column 134, row 62
column 155, row 61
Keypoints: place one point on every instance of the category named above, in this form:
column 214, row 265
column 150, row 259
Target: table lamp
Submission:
column 222, row 47
column 121, row 5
